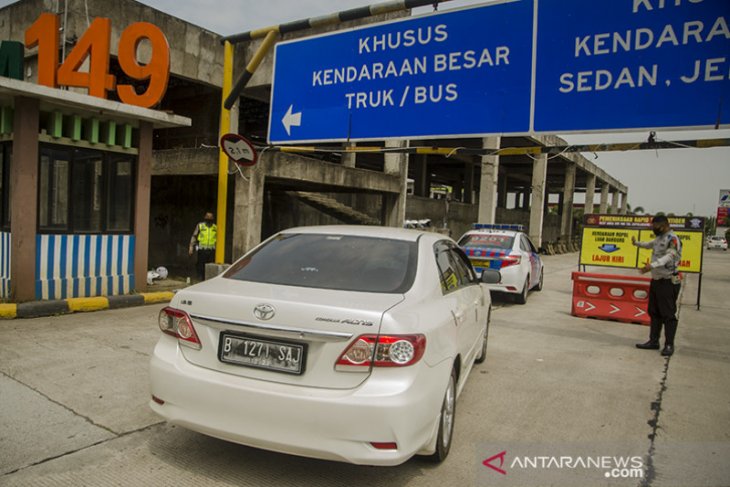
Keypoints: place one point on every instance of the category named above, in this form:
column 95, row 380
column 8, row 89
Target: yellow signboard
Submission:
column 692, row 243
column 607, row 240
column 610, row 247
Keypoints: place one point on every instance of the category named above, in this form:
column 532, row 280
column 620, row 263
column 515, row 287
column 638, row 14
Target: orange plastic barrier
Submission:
column 611, row 297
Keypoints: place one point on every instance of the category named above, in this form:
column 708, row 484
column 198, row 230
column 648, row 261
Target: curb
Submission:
column 38, row 309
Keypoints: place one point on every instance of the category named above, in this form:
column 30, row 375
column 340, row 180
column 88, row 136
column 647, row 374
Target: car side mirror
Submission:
column 490, row 276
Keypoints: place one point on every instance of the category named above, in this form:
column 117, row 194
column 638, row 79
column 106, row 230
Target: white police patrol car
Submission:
column 505, row 248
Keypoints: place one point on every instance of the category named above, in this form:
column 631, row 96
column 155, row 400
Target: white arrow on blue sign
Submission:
column 455, row 73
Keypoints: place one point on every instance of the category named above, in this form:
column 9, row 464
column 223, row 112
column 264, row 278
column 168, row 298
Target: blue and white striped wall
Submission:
column 4, row 265
column 79, row 266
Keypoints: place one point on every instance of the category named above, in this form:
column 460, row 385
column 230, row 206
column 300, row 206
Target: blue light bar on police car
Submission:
column 499, row 226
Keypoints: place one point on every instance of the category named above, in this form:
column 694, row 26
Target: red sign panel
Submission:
column 722, row 216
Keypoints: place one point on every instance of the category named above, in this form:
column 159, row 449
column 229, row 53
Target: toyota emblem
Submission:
column 264, row 312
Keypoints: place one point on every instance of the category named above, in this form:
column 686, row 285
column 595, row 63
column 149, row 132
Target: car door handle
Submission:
column 458, row 316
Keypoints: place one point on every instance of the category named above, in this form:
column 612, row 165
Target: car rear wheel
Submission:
column 446, row 422
column 539, row 283
column 483, row 353
column 522, row 297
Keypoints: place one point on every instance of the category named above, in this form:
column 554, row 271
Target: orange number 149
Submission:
column 94, row 45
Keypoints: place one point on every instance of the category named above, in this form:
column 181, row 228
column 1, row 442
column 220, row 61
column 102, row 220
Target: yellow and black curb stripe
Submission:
column 38, row 309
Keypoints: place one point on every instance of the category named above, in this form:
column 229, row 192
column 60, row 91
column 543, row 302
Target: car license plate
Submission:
column 480, row 264
column 273, row 355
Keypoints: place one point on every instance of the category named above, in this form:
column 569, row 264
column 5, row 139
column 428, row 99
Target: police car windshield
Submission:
column 344, row 262
column 492, row 240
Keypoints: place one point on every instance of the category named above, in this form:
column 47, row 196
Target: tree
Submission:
column 711, row 226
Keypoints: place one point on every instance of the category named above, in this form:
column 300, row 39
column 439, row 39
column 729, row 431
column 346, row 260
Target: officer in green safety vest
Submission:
column 204, row 240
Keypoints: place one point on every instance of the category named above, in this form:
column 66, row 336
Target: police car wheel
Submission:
column 522, row 297
column 539, row 283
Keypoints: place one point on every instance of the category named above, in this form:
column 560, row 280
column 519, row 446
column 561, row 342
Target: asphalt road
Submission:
column 559, row 401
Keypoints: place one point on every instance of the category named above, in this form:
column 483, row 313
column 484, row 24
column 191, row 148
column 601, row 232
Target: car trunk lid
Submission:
column 483, row 257
column 312, row 326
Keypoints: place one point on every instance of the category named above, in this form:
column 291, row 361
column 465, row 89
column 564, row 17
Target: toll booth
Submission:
column 75, row 176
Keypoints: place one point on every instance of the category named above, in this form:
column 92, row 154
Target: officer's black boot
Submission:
column 653, row 343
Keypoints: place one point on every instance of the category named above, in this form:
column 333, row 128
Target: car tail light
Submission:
column 511, row 260
column 178, row 324
column 383, row 351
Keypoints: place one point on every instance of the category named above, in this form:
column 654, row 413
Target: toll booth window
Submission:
column 84, row 191
column 53, row 191
column 121, row 186
column 87, row 193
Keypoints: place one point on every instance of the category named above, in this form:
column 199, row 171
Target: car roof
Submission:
column 372, row 231
column 510, row 233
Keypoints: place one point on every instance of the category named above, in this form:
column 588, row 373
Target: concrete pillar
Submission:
column 566, row 223
column 394, row 204
column 348, row 158
column 422, row 181
column 604, row 199
column 624, row 203
column 502, row 191
column 614, row 202
column 561, row 200
column 142, row 206
column 488, row 183
column 590, row 193
column 458, row 189
column 24, row 194
column 468, row 183
column 539, row 186
column 248, row 206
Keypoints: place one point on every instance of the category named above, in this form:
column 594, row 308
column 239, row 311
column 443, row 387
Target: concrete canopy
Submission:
column 52, row 99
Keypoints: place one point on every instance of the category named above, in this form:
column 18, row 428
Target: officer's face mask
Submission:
column 208, row 222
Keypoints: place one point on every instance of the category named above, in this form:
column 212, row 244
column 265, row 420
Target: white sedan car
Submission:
column 716, row 242
column 505, row 248
column 339, row 343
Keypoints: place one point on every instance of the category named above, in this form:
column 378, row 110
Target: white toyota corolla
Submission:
column 341, row 343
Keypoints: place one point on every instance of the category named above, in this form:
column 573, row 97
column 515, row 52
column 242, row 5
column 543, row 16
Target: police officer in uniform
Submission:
column 204, row 240
column 665, row 284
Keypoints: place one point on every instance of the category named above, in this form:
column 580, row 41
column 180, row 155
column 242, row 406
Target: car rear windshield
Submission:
column 344, row 262
column 493, row 240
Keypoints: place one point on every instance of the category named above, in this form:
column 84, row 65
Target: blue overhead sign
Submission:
column 632, row 64
column 455, row 73
column 579, row 66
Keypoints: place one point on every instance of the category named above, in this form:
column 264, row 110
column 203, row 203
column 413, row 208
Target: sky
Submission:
column 677, row 180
